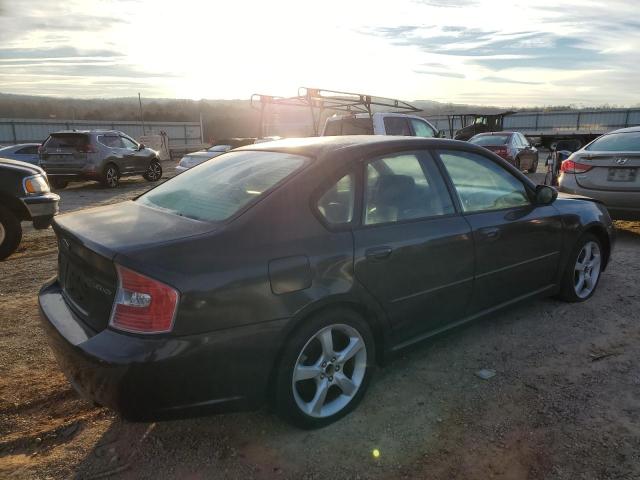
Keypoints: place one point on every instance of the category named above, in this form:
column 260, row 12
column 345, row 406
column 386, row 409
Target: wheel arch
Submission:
column 15, row 206
column 368, row 309
column 601, row 234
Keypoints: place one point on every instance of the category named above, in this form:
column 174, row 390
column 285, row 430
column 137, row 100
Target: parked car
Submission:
column 196, row 158
column 607, row 169
column 23, row 152
column 398, row 124
column 512, row 146
column 24, row 196
column 101, row 155
column 286, row 270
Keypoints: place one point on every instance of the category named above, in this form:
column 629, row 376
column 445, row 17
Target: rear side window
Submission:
column 422, row 129
column 397, row 126
column 336, row 204
column 66, row 141
column 616, row 142
column 349, row 126
column 399, row 188
column 217, row 189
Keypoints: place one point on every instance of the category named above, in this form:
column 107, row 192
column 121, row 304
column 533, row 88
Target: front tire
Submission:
column 154, row 172
column 583, row 270
column 10, row 232
column 111, row 176
column 325, row 369
column 534, row 167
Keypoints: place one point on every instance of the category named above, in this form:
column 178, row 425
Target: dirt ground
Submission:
column 564, row 404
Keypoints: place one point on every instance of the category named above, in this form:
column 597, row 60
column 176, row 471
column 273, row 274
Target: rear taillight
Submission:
column 569, row 166
column 142, row 304
column 501, row 151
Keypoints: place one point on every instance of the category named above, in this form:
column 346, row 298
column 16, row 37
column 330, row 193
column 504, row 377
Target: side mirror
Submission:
column 442, row 134
column 141, row 147
column 545, row 195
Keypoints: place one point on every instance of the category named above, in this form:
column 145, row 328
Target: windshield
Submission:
column 616, row 142
column 215, row 190
column 490, row 140
column 219, row 148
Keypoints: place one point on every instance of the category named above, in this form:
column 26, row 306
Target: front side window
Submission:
column 129, row 144
column 397, row 126
column 616, row 142
column 482, row 184
column 422, row 129
column 336, row 204
column 398, row 188
column 217, row 189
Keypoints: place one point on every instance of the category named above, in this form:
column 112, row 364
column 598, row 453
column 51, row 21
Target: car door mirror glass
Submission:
column 545, row 194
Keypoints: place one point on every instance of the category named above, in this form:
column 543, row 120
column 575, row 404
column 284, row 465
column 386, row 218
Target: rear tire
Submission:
column 154, row 172
column 58, row 183
column 110, row 176
column 10, row 232
column 332, row 356
column 583, row 270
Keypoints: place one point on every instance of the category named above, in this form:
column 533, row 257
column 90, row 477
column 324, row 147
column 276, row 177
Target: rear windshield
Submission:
column 349, row 126
column 66, row 140
column 215, row 190
column 490, row 140
column 616, row 142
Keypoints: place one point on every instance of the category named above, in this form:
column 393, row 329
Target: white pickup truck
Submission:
column 379, row 124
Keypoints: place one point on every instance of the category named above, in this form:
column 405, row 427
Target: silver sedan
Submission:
column 607, row 169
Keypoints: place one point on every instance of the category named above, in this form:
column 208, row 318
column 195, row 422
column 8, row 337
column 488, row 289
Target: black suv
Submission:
column 24, row 196
column 102, row 155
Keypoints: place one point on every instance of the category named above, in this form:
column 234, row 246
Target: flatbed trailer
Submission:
column 542, row 128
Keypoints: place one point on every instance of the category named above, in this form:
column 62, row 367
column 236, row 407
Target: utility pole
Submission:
column 141, row 115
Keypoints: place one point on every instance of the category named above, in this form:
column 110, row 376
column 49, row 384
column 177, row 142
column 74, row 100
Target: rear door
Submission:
column 413, row 252
column 65, row 152
column 517, row 243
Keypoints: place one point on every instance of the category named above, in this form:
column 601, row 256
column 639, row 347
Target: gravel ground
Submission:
column 564, row 403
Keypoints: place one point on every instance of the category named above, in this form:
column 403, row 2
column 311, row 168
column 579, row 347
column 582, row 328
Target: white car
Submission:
column 196, row 158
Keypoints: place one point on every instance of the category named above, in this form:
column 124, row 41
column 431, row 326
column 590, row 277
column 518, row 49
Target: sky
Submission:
column 484, row 52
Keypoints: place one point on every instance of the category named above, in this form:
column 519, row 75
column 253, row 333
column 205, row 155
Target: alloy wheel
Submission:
column 587, row 269
column 154, row 171
column 329, row 370
column 3, row 233
column 111, row 177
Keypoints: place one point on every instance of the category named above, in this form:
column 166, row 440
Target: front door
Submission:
column 517, row 243
column 413, row 252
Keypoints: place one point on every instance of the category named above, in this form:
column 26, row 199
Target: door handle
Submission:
column 490, row 234
column 378, row 253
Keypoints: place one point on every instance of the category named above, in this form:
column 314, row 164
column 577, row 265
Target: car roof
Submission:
column 85, row 132
column 318, row 147
column 626, row 130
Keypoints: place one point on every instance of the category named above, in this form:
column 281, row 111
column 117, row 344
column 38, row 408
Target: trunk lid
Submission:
column 614, row 171
column 88, row 242
column 65, row 150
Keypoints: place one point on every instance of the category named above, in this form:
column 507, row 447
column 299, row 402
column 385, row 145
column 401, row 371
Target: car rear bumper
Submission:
column 42, row 208
column 621, row 205
column 150, row 378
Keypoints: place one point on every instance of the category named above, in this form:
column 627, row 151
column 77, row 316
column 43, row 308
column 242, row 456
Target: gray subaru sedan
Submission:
column 283, row 272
